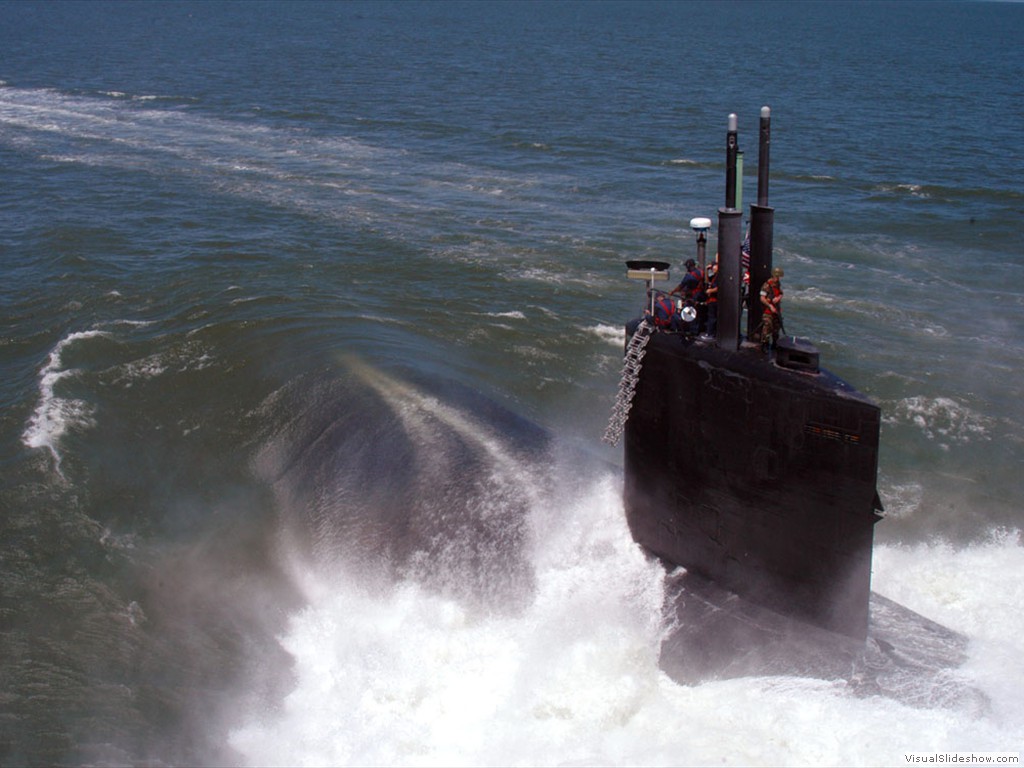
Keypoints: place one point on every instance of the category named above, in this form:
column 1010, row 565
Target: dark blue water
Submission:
column 288, row 289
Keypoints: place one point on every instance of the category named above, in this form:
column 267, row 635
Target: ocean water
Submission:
column 312, row 322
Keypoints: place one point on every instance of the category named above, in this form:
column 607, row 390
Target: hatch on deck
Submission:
column 798, row 354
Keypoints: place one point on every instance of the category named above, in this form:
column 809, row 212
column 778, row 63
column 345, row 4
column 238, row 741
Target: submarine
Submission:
column 750, row 471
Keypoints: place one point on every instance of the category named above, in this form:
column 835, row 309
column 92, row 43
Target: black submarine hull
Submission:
column 758, row 477
column 713, row 634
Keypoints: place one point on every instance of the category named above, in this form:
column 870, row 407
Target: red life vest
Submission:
column 771, row 291
column 664, row 308
column 692, row 283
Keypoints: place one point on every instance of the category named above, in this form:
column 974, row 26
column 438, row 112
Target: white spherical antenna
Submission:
column 700, row 224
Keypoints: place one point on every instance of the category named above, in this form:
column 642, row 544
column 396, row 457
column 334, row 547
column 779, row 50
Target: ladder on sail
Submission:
column 631, row 364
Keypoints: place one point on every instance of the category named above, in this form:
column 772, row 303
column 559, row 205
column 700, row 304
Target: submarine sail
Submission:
column 746, row 463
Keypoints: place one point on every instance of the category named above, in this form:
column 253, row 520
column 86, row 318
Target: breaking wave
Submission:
column 56, row 414
column 573, row 676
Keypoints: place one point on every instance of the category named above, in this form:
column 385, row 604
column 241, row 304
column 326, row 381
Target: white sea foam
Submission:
column 412, row 679
column 55, row 415
column 146, row 368
column 613, row 334
column 915, row 190
column 143, row 137
column 970, row 590
column 942, row 419
column 903, row 500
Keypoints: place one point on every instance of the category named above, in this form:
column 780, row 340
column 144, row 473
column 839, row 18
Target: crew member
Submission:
column 665, row 316
column 711, row 291
column 691, row 287
column 771, row 308
column 691, row 284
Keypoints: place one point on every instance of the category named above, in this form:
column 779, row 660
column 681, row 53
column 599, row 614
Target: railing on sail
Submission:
column 631, row 364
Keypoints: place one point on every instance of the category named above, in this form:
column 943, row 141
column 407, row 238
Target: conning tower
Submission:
column 755, row 471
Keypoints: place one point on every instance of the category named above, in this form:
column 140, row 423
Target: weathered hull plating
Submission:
column 757, row 477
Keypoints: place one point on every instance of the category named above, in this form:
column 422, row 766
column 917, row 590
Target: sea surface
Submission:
column 311, row 321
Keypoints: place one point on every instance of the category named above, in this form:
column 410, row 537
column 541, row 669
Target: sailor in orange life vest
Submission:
column 771, row 302
column 711, row 291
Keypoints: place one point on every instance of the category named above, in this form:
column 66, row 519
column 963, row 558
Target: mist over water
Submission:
column 312, row 322
column 574, row 678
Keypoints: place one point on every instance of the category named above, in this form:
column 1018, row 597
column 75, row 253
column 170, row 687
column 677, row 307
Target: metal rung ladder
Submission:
column 631, row 364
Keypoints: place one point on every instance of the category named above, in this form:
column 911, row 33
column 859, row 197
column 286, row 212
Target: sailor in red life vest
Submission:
column 665, row 316
column 771, row 304
column 711, row 291
column 692, row 288
column 691, row 283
